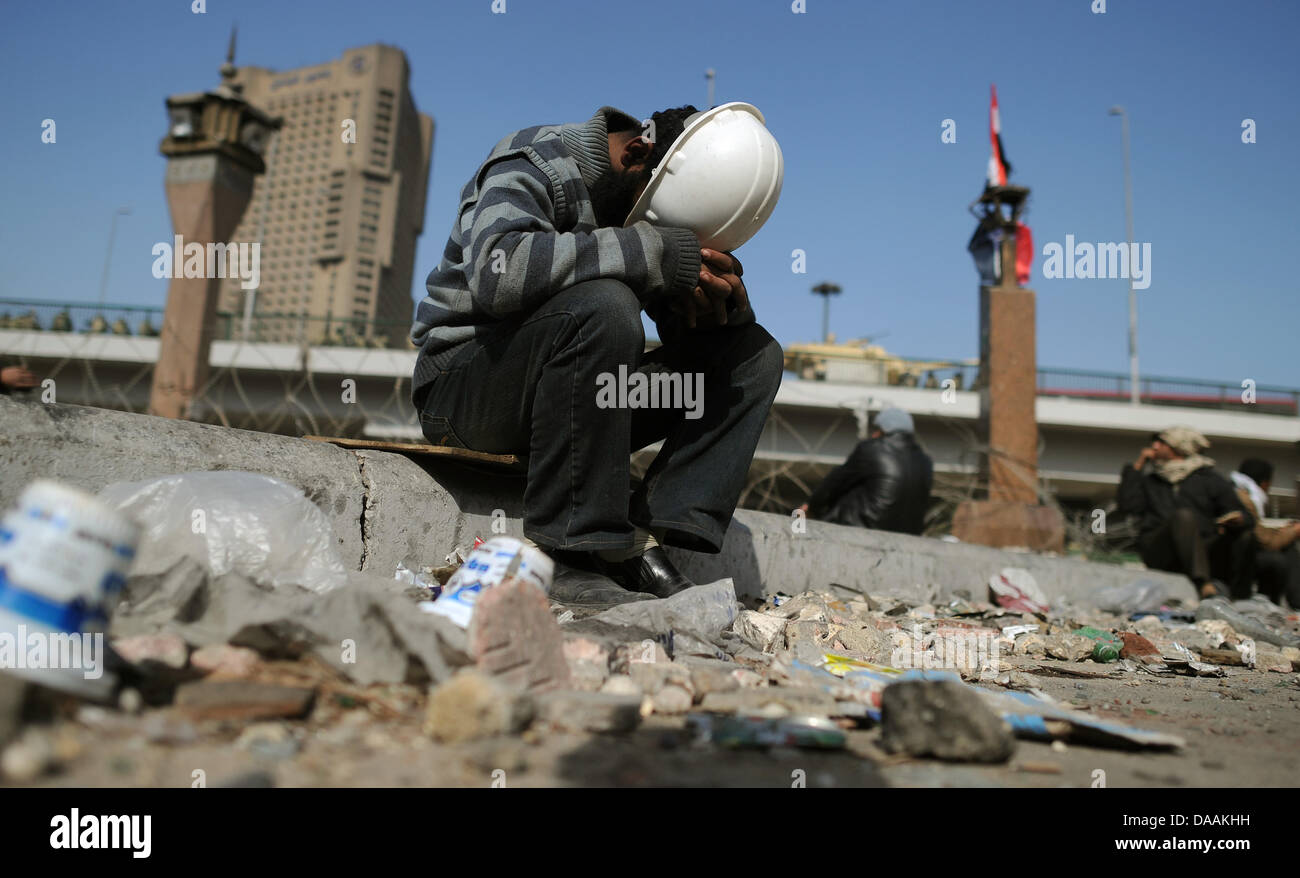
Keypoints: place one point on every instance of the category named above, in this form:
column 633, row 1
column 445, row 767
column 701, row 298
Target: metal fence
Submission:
column 144, row 321
column 1244, row 395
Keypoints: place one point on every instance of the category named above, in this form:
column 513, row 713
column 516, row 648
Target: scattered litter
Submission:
column 810, row 732
column 1108, row 646
column 1244, row 622
column 425, row 577
column 488, row 565
column 1016, row 589
column 246, row 523
column 1183, row 660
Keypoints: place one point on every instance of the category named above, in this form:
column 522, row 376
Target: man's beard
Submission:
column 614, row 194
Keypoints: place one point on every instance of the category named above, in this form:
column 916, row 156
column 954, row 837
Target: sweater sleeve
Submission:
column 516, row 259
column 1131, row 499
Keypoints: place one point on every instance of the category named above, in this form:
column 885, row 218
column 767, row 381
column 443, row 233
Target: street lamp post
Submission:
column 108, row 256
column 826, row 289
column 1134, row 394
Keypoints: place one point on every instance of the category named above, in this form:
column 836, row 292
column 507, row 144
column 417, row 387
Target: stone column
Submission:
column 207, row 195
column 1007, row 415
column 1009, row 514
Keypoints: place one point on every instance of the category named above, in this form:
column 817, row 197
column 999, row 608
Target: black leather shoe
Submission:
column 580, row 580
column 651, row 573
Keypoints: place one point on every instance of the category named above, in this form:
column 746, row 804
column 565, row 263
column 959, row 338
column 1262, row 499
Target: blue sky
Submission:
column 855, row 91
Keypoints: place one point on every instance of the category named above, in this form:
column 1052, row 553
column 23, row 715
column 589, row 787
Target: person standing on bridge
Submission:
column 538, row 299
column 1189, row 518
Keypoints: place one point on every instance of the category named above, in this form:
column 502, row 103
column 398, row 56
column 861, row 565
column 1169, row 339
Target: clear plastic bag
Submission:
column 254, row 525
column 1131, row 597
column 704, row 610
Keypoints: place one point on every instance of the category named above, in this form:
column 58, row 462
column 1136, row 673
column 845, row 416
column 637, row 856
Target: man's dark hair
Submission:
column 1260, row 471
column 669, row 125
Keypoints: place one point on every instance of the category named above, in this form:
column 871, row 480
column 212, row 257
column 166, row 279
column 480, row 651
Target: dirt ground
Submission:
column 1240, row 731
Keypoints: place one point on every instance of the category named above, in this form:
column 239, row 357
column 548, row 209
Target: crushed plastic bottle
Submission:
column 1218, row 608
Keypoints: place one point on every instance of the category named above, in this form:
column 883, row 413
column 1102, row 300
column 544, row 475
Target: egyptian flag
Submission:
column 999, row 167
column 1024, row 253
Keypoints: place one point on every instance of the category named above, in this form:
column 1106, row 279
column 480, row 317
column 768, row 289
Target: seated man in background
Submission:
column 1189, row 518
column 885, row 483
column 1277, row 552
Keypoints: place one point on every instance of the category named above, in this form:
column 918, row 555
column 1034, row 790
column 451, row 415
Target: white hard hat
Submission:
column 720, row 179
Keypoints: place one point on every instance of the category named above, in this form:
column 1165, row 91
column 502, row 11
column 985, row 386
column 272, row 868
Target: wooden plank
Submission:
column 511, row 461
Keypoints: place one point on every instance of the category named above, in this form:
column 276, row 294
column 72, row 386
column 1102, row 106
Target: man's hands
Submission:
column 18, row 378
column 706, row 306
column 1147, row 455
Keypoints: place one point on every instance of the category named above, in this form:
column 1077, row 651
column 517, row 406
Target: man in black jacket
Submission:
column 1189, row 518
column 885, row 483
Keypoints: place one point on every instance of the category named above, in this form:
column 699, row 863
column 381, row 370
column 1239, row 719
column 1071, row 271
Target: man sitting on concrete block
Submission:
column 1277, row 549
column 1188, row 516
column 531, row 342
column 885, row 483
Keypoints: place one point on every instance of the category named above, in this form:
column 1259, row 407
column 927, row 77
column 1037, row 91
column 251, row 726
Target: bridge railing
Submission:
column 146, row 320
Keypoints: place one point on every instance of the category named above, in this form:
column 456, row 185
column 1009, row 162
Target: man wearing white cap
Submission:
column 1189, row 518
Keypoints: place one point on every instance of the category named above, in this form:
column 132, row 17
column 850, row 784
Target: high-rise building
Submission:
column 341, row 204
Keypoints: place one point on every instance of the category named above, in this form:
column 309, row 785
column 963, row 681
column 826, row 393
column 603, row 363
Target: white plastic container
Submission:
column 488, row 565
column 64, row 557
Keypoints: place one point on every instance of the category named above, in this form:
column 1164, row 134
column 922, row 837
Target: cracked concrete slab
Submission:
column 385, row 508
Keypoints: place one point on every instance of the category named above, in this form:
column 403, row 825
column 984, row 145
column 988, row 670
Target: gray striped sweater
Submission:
column 526, row 230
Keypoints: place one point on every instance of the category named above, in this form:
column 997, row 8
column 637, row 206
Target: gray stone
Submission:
column 622, row 684
column 711, row 675
column 671, row 699
column 365, row 629
column 943, row 719
column 474, row 704
column 27, row 758
column 790, row 699
column 1070, row 647
column 765, row 632
column 242, row 700
column 654, row 676
column 168, row 650
column 13, row 693
column 589, row 711
column 868, row 642
column 808, row 641
column 223, row 660
column 513, row 636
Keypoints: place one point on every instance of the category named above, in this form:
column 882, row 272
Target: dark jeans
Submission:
column 1178, row 546
column 531, row 389
column 1279, row 574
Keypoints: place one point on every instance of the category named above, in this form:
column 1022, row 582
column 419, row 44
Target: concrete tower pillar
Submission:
column 214, row 148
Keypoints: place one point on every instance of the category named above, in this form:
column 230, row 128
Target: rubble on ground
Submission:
column 285, row 676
